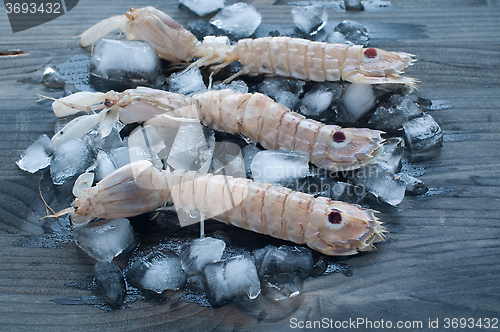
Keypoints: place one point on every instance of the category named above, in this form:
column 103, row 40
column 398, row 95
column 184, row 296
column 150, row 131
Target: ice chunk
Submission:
column 111, row 283
column 354, row 32
column 231, row 280
column 237, row 86
column 157, row 272
column 187, row 82
column 281, row 286
column 357, row 100
column 75, row 71
column 353, row 5
column 228, row 160
column 336, row 37
column 190, row 150
column 196, row 255
column 284, row 91
column 309, row 19
column 423, row 133
column 129, row 61
column 239, row 20
column 320, row 185
column 391, row 118
column 381, row 183
column 105, row 239
column 390, row 158
column 120, row 157
column 285, row 259
column 144, row 143
column 249, row 153
column 413, row 185
column 319, row 99
column 52, row 79
column 37, row 155
column 274, row 166
column 72, row 158
column 104, row 166
column 203, row 7
column 112, row 141
column 201, row 29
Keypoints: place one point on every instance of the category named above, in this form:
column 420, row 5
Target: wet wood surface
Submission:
column 441, row 259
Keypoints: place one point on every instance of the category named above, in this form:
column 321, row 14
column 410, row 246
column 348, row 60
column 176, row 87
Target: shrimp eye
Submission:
column 335, row 217
column 370, row 52
column 108, row 103
column 339, row 137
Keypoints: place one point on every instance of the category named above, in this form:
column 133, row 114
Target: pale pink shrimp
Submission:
column 256, row 116
column 330, row 227
column 284, row 56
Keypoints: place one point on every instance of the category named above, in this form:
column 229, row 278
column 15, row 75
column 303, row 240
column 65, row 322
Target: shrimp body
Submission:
column 284, row 56
column 330, row 227
column 256, row 116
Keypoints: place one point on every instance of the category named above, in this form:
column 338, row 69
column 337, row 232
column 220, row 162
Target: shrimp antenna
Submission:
column 48, row 208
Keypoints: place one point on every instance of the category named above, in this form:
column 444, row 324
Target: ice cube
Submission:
column 104, row 166
column 111, row 283
column 228, row 160
column 52, row 79
column 200, row 28
column 112, row 141
column 346, row 192
column 72, row 158
column 239, row 20
column 196, row 255
column 309, row 19
column 120, row 157
column 203, row 7
column 237, row 86
column 353, row 5
column 281, row 286
column 157, row 272
column 413, row 185
column 381, row 183
column 105, row 239
column 231, row 280
column 392, row 117
column 128, row 61
column 75, row 71
column 357, row 101
column 336, row 37
column 37, row 155
column 319, row 99
column 354, row 32
column 423, row 133
column 390, row 158
column 144, row 143
column 274, row 166
column 285, row 259
column 187, row 82
column 191, row 151
column 283, row 91
column 249, row 153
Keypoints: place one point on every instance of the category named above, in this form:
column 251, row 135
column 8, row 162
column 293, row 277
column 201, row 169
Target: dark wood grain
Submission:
column 441, row 258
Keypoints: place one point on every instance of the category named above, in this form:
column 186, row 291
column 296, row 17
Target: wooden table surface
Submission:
column 440, row 261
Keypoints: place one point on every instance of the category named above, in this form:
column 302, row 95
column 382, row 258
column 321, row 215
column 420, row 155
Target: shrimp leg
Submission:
column 330, row 227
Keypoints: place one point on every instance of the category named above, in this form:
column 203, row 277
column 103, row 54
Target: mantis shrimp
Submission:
column 330, row 227
column 284, row 56
column 256, row 116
